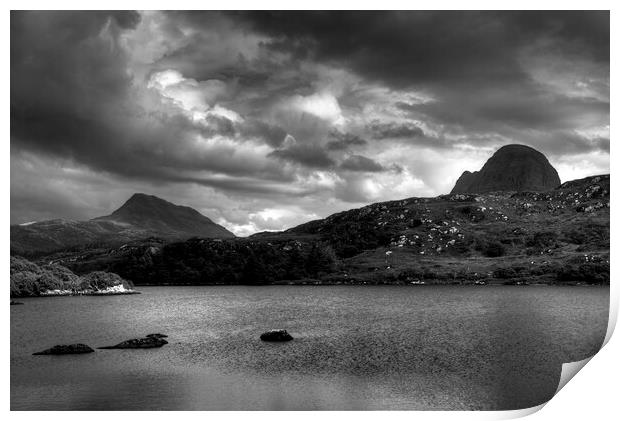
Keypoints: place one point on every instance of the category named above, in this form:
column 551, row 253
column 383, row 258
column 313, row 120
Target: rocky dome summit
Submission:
column 511, row 168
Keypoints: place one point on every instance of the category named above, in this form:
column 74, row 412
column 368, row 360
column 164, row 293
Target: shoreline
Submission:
column 78, row 294
column 376, row 284
column 314, row 284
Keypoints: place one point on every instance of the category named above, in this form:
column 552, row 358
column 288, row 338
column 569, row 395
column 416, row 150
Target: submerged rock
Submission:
column 279, row 335
column 156, row 335
column 66, row 349
column 154, row 340
column 16, row 303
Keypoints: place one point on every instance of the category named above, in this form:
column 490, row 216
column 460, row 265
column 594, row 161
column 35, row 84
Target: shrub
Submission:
column 591, row 233
column 321, row 259
column 99, row 280
column 541, row 239
column 505, row 273
column 410, row 275
column 474, row 213
column 493, row 249
column 589, row 273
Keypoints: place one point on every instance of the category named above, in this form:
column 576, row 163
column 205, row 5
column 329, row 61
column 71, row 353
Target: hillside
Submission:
column 141, row 217
column 556, row 236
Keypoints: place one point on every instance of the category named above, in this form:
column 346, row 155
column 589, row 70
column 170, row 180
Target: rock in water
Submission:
column 156, row 335
column 280, row 335
column 16, row 303
column 511, row 168
column 148, row 342
column 66, row 349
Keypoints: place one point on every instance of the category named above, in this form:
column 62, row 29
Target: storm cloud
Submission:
column 262, row 120
column 362, row 164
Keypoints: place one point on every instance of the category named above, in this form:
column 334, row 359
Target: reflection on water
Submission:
column 355, row 347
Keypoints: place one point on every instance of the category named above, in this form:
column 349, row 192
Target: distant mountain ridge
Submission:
column 559, row 236
column 142, row 216
column 511, row 168
column 155, row 214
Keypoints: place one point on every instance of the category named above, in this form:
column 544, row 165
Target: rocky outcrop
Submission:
column 511, row 168
column 66, row 349
column 106, row 283
column 464, row 183
column 279, row 335
column 154, row 340
column 31, row 280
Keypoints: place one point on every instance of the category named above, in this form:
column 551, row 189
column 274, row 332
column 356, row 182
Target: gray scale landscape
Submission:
column 497, row 344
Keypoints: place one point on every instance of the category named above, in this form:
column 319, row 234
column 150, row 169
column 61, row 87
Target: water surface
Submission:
column 355, row 347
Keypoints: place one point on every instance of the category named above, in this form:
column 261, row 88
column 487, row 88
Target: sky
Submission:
column 265, row 120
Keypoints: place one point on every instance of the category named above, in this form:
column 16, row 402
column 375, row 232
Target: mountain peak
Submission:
column 143, row 199
column 154, row 213
column 512, row 167
column 141, row 196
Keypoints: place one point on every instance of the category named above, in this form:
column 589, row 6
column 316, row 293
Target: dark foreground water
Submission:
column 355, row 347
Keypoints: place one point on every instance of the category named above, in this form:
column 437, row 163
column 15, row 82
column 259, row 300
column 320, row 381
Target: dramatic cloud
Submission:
column 361, row 163
column 395, row 130
column 263, row 120
column 308, row 156
column 344, row 141
column 414, row 48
